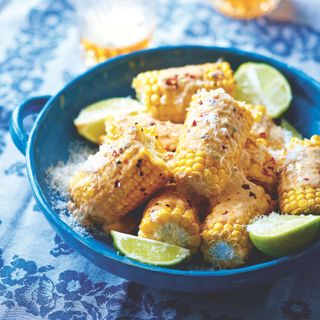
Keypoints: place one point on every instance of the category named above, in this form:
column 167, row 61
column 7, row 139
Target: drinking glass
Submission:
column 112, row 27
column 245, row 9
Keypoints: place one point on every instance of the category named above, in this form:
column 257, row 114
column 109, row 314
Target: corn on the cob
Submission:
column 299, row 187
column 173, row 219
column 259, row 165
column 167, row 93
column 166, row 132
column 119, row 178
column 225, row 240
column 264, row 130
column 211, row 141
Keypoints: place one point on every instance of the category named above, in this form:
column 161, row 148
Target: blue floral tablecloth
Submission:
column 41, row 277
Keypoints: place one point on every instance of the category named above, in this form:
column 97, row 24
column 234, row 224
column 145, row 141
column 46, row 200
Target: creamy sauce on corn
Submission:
column 302, row 168
column 240, row 198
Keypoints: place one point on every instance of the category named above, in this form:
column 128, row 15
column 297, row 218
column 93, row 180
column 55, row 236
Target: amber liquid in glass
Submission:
column 245, row 9
column 108, row 30
column 94, row 53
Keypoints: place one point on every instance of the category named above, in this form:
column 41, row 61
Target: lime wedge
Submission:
column 290, row 129
column 279, row 235
column 259, row 83
column 149, row 251
column 90, row 121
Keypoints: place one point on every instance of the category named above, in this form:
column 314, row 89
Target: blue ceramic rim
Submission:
column 52, row 216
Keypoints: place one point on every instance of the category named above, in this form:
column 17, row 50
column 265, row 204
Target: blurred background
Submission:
column 109, row 28
column 64, row 37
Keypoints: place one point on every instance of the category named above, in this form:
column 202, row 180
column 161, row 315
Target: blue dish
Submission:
column 53, row 131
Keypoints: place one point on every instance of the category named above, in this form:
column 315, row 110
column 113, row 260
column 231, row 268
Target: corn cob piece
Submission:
column 259, row 165
column 171, row 218
column 299, row 186
column 211, row 141
column 166, row 132
column 120, row 177
column 167, row 93
column 225, row 240
column 264, row 130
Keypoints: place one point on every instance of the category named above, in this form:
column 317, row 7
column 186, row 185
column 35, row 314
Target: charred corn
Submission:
column 212, row 138
column 119, row 178
column 225, row 240
column 166, row 132
column 173, row 219
column 299, row 186
column 167, row 93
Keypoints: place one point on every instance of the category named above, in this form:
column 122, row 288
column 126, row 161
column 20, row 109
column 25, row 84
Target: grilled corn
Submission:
column 171, row 218
column 167, row 93
column 119, row 178
column 299, row 187
column 211, row 141
column 225, row 240
column 166, row 132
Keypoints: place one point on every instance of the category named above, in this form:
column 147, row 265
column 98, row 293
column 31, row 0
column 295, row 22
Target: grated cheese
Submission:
column 58, row 177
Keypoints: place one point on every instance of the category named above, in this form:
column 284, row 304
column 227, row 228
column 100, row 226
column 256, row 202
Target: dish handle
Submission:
column 18, row 132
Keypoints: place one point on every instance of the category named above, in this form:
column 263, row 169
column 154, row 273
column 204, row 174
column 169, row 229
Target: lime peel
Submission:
column 279, row 235
column 149, row 251
column 260, row 83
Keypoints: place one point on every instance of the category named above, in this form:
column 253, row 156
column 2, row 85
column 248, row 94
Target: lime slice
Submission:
column 149, row 251
column 290, row 129
column 90, row 121
column 279, row 235
column 259, row 83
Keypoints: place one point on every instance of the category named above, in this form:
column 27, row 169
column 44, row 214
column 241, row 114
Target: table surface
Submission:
column 40, row 276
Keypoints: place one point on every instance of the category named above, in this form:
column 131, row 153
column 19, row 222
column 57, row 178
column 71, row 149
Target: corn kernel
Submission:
column 155, row 88
column 218, row 227
column 213, row 170
column 155, row 98
column 198, row 167
column 236, row 234
column 309, row 196
column 207, row 173
column 300, row 197
column 198, row 159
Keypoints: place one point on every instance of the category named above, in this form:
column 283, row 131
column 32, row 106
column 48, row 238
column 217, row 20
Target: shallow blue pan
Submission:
column 53, row 131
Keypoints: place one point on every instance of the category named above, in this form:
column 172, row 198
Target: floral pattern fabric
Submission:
column 38, row 54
